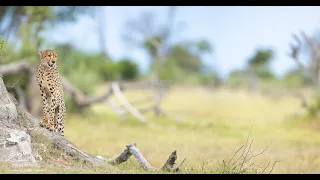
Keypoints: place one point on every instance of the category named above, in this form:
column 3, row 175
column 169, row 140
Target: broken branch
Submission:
column 81, row 99
column 131, row 149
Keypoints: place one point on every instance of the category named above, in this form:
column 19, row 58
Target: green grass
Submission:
column 203, row 126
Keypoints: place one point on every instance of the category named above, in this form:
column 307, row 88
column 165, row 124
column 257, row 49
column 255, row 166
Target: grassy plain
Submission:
column 205, row 127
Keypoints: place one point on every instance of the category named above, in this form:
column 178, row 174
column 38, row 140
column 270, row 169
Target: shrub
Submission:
column 127, row 69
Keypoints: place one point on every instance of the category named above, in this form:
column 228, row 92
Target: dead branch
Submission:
column 245, row 157
column 273, row 166
column 122, row 157
column 116, row 90
column 117, row 109
column 295, row 49
column 138, row 101
column 81, row 99
column 138, row 155
column 266, row 167
column 313, row 67
column 16, row 67
column 132, row 149
column 244, row 150
column 144, row 85
column 235, row 154
column 308, row 40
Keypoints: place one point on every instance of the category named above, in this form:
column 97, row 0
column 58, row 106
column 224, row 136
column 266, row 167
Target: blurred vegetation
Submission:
column 183, row 63
column 256, row 71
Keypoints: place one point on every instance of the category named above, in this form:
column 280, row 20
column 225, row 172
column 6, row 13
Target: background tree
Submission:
column 259, row 63
column 154, row 38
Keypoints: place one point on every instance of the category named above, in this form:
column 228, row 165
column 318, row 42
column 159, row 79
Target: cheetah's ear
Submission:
column 40, row 52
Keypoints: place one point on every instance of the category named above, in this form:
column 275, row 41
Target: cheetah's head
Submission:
column 48, row 57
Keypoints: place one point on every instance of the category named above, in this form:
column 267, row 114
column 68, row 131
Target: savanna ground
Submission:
column 204, row 126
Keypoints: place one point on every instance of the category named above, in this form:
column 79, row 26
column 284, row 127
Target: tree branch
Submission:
column 16, row 67
column 81, row 99
column 295, row 50
column 131, row 149
column 116, row 90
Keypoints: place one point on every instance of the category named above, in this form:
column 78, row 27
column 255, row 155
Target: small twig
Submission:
column 265, row 167
column 253, row 164
column 235, row 154
column 273, row 166
column 249, row 158
column 182, row 162
column 246, row 144
column 204, row 163
column 245, row 157
column 259, row 166
column 262, row 151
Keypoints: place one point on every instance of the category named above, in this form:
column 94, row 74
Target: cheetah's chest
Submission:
column 50, row 83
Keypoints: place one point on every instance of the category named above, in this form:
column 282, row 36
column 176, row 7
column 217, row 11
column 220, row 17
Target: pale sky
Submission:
column 235, row 32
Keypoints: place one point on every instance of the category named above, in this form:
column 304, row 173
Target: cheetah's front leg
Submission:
column 53, row 106
column 44, row 120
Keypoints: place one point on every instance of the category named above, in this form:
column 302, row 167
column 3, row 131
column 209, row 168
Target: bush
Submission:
column 127, row 69
column 238, row 78
column 109, row 70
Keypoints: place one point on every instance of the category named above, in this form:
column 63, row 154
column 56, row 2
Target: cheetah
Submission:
column 51, row 92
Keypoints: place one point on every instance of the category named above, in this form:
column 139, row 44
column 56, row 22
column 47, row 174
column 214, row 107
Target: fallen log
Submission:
column 132, row 149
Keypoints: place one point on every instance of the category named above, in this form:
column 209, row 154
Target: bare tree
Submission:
column 312, row 68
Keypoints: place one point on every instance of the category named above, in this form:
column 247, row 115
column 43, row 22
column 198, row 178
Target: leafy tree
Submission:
column 203, row 46
column 128, row 70
column 184, row 58
column 259, row 63
column 261, row 58
column 12, row 16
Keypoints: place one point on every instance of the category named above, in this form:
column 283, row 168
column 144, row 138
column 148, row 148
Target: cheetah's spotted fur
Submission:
column 54, row 109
